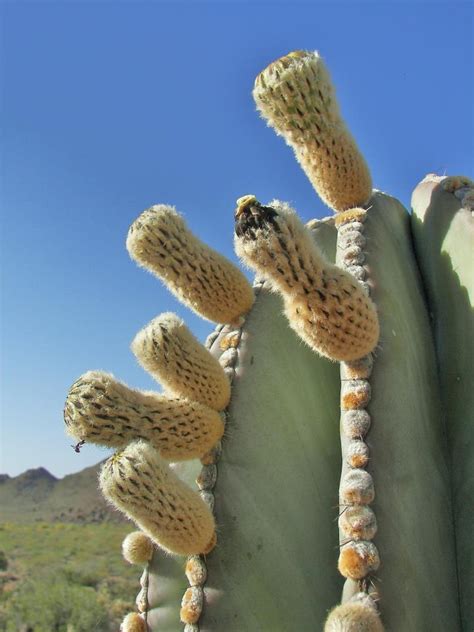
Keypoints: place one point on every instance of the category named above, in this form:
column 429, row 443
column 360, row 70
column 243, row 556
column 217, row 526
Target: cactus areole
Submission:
column 256, row 509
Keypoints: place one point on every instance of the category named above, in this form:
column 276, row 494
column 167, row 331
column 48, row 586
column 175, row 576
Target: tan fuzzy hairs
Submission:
column 101, row 410
column 201, row 278
column 325, row 305
column 169, row 351
column 142, row 486
column 137, row 548
column 353, row 616
column 133, row 622
column 296, row 97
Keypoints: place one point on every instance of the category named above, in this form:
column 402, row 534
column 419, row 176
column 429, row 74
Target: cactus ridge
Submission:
column 201, row 278
column 296, row 97
column 359, row 557
column 325, row 305
column 168, row 350
column 139, row 483
column 101, row 410
column 196, row 569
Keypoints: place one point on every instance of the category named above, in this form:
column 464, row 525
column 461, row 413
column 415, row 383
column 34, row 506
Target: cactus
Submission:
column 240, row 532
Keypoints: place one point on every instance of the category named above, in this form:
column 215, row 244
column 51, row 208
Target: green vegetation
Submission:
column 64, row 577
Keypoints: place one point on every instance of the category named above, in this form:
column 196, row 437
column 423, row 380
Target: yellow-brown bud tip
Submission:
column 133, row 622
column 358, row 559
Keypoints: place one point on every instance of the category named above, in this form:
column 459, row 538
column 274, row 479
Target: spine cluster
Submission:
column 359, row 557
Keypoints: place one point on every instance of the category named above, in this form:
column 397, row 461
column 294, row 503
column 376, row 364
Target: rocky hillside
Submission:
column 36, row 495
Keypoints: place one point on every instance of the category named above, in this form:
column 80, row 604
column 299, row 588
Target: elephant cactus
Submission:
column 257, row 510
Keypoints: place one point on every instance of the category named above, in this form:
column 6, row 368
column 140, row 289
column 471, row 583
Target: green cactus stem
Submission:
column 443, row 230
column 272, row 488
column 408, row 460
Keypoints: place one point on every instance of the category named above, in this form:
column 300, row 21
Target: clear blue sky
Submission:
column 110, row 107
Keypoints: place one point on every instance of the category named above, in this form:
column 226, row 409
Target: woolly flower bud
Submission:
column 358, row 523
column 196, row 571
column 355, row 423
column 353, row 617
column 296, row 97
column 357, row 453
column 133, row 622
column 325, row 305
column 137, row 548
column 355, row 394
column 201, row 278
column 357, row 487
column 191, row 605
column 358, row 559
column 141, row 485
column 169, row 351
column 101, row 410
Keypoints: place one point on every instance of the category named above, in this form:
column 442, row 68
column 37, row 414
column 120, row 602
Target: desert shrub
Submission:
column 51, row 605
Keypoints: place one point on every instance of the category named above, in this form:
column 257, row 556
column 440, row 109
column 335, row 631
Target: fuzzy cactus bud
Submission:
column 201, row 278
column 296, row 97
column 137, row 548
column 141, row 485
column 133, row 622
column 357, row 487
column 358, row 523
column 325, row 305
column 169, row 351
column 101, row 410
column 191, row 605
column 358, row 559
column 353, row 617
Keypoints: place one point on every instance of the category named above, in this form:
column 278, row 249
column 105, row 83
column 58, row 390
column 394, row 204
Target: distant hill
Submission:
column 36, row 495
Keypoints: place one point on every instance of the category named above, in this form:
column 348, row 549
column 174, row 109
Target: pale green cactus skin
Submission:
column 443, row 238
column 282, row 432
